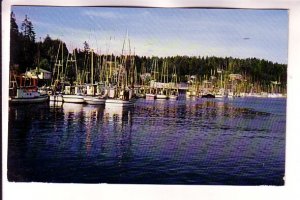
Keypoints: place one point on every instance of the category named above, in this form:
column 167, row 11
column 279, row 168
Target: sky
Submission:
column 240, row 33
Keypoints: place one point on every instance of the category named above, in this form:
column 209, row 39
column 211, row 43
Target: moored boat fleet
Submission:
column 114, row 81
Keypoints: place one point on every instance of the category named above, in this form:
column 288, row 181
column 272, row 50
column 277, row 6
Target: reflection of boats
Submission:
column 27, row 95
column 119, row 112
column 56, row 103
column 173, row 97
column 72, row 108
column 56, row 97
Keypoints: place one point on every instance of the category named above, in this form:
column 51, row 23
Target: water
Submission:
column 198, row 141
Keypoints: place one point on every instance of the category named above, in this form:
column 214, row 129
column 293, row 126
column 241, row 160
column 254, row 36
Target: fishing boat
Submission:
column 121, row 91
column 93, row 91
column 192, row 87
column 220, row 93
column 162, row 94
column 174, row 93
column 119, row 102
column 94, row 100
column 150, row 96
column 27, row 95
column 73, row 97
column 58, row 76
column 25, row 90
column 162, row 89
column 68, row 98
column 97, row 98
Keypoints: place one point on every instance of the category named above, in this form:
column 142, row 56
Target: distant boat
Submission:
column 174, row 93
column 27, row 95
column 161, row 95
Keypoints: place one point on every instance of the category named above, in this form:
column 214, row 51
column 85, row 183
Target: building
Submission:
column 39, row 74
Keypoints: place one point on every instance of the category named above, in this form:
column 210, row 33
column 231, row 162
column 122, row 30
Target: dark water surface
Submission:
column 213, row 142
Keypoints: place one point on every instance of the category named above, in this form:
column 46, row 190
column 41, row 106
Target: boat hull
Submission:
column 118, row 103
column 150, row 96
column 73, row 98
column 94, row 100
column 39, row 99
column 161, row 96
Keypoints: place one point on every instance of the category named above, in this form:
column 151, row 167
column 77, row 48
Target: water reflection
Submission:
column 185, row 141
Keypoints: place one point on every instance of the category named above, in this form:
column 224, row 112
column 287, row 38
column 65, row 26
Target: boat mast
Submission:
column 92, row 67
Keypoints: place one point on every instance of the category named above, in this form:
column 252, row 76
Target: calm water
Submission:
column 232, row 142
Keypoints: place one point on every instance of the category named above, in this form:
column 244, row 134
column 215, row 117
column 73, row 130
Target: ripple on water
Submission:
column 231, row 142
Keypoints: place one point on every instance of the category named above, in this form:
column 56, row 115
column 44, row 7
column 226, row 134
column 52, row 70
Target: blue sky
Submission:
column 166, row 31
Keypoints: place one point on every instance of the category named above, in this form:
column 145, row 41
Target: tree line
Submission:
column 27, row 52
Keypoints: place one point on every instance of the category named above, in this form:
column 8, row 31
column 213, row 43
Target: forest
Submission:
column 28, row 52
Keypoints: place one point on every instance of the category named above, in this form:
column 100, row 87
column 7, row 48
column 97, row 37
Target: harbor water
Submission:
column 237, row 141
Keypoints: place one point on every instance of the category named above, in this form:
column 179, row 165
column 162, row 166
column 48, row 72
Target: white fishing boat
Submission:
column 174, row 90
column 150, row 96
column 27, row 95
column 95, row 92
column 73, row 97
column 121, row 91
column 94, row 100
column 161, row 95
column 119, row 103
column 192, row 90
column 221, row 93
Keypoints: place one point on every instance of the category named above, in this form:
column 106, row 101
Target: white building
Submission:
column 40, row 74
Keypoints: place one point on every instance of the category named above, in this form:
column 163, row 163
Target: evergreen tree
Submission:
column 14, row 41
column 28, row 52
